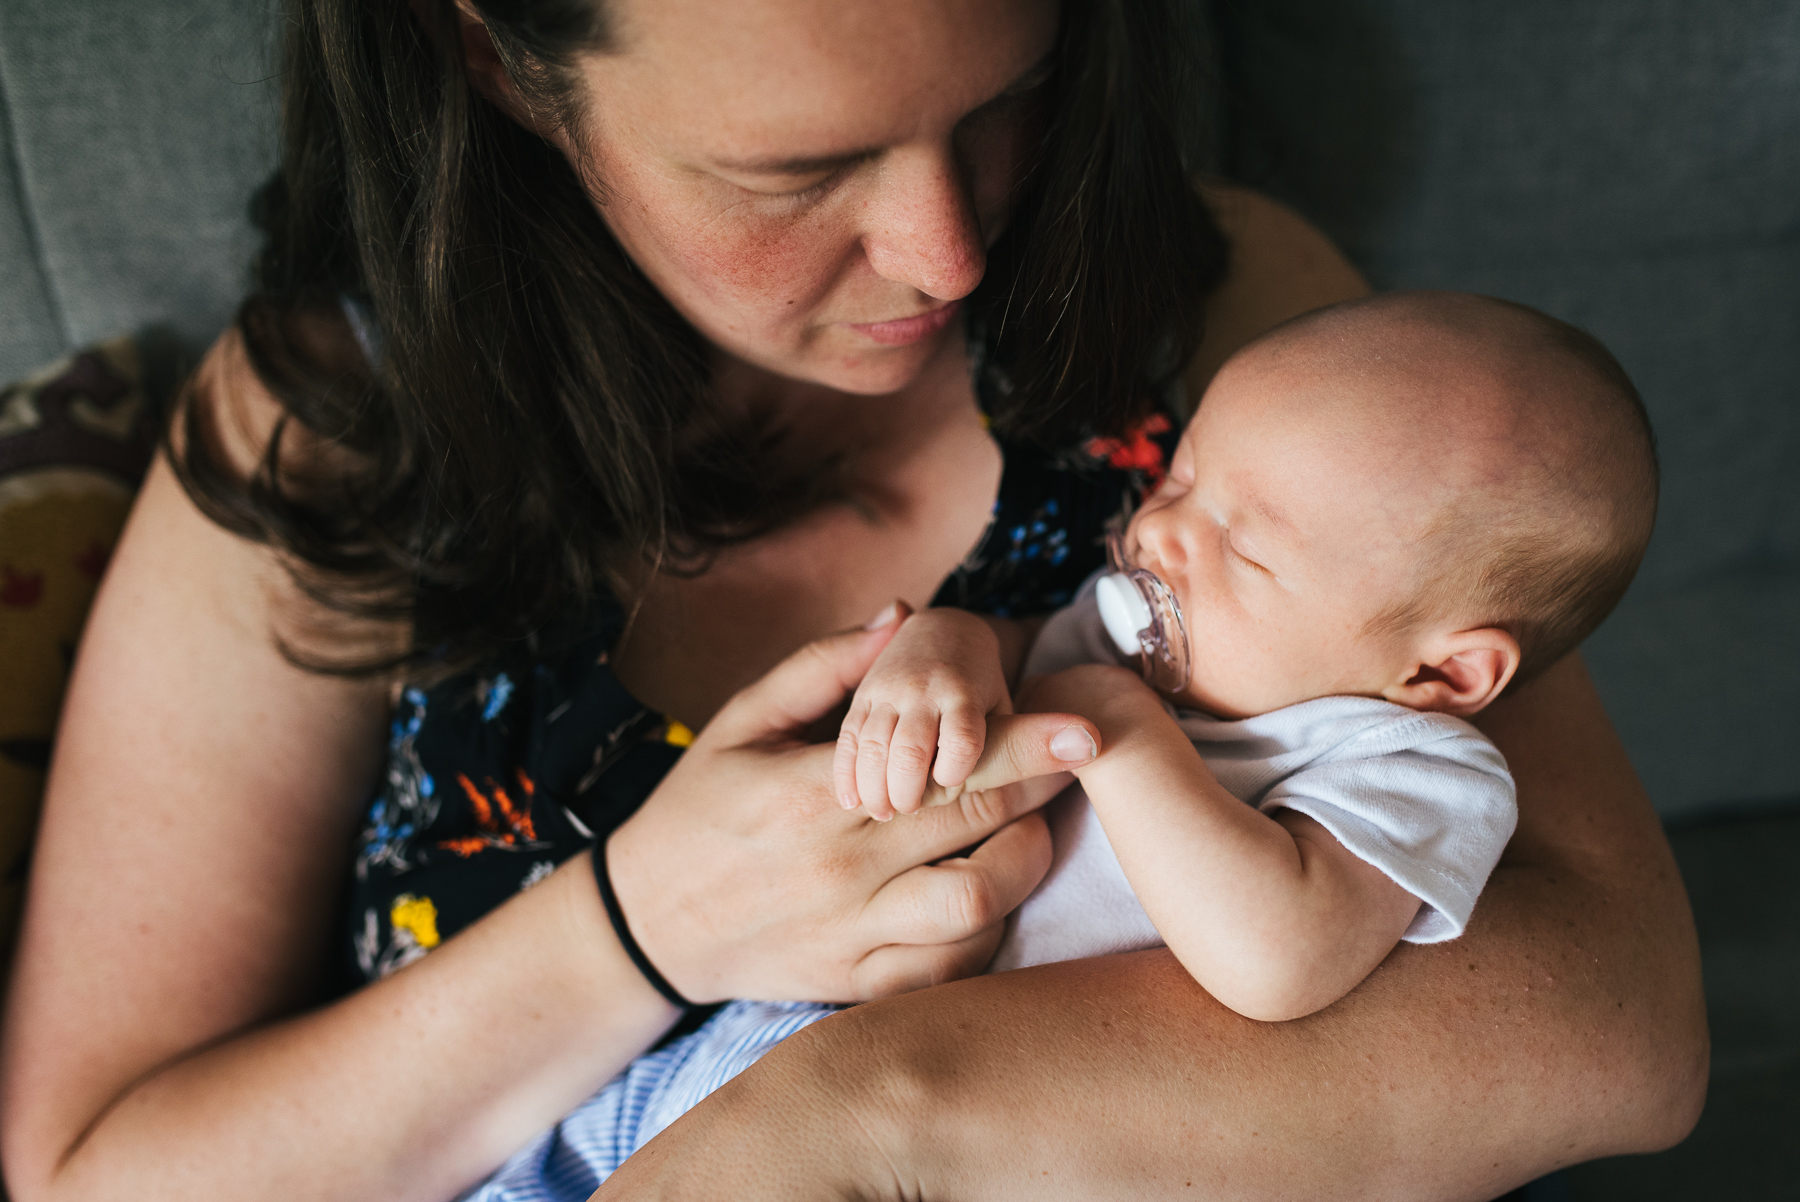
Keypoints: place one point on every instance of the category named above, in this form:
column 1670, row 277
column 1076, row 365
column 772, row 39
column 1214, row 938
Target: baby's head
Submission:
column 1425, row 497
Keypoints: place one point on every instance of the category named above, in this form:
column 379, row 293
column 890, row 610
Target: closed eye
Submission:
column 812, row 191
column 1239, row 555
column 818, row 187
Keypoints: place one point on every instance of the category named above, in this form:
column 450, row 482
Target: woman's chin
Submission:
column 870, row 369
column 845, row 362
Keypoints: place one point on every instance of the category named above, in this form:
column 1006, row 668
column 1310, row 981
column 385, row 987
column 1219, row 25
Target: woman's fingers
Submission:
column 1021, row 746
column 1025, row 763
column 804, row 687
column 902, row 967
column 943, row 904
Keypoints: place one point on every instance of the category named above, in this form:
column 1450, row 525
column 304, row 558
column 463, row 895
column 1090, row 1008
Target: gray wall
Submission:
column 131, row 133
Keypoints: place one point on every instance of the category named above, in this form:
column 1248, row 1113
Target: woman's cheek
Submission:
column 774, row 268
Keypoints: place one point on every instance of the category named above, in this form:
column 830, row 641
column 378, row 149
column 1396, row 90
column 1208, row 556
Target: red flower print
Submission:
column 1137, row 451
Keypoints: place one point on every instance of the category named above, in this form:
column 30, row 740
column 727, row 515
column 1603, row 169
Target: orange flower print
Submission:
column 503, row 823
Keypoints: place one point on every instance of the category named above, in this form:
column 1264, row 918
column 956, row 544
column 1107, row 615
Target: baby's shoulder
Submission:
column 1340, row 735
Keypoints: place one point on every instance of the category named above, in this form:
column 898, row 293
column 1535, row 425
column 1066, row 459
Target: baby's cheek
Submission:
column 1242, row 665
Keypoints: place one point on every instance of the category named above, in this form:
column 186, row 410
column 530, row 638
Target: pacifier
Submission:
column 1143, row 618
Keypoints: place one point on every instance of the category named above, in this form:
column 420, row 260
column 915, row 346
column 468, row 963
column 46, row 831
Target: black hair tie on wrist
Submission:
column 622, row 929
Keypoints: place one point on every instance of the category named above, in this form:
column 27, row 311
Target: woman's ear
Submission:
column 487, row 74
column 1460, row 673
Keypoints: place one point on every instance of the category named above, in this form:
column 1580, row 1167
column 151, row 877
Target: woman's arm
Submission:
column 1280, row 267
column 190, row 863
column 196, row 831
column 1566, row 1024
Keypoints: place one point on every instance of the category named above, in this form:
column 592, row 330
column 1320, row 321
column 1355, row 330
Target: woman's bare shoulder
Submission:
column 1280, row 266
column 238, row 414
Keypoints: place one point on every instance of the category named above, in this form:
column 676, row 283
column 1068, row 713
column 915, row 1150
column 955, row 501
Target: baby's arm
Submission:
column 920, row 715
column 1271, row 914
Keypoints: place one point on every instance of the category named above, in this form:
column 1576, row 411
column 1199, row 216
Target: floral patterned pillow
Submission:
column 75, row 439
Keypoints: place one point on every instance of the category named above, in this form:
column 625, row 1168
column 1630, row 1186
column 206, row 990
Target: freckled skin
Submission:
column 775, row 267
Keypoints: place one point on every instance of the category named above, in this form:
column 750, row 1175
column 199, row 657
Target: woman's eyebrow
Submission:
column 1027, row 79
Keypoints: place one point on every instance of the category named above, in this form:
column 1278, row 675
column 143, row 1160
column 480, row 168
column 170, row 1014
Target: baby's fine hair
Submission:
column 1549, row 553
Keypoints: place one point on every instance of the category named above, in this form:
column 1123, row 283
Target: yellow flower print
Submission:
column 677, row 735
column 417, row 916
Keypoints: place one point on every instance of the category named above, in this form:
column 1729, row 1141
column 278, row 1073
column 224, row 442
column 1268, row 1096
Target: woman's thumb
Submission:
column 805, row 686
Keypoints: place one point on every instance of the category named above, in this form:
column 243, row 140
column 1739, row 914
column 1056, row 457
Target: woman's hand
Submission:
column 743, row 877
column 1565, row 1024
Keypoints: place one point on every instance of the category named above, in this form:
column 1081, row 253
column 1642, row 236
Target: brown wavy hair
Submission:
column 538, row 407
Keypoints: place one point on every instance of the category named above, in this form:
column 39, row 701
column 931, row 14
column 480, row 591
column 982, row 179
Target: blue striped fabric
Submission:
column 568, row 1162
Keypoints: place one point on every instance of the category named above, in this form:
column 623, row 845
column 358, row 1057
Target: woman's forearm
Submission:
column 1566, row 1024
column 410, row 1089
column 191, row 851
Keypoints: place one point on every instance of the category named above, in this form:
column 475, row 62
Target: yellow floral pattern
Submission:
column 417, row 916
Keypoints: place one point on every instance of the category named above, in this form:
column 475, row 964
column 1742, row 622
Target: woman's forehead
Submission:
column 791, row 79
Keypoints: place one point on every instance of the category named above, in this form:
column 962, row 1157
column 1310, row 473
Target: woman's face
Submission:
column 814, row 183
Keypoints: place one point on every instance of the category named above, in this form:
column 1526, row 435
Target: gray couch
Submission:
column 1631, row 165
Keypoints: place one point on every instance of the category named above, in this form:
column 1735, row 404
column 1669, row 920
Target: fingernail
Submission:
column 847, row 801
column 1073, row 745
column 885, row 618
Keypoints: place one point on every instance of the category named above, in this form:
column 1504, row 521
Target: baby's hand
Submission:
column 926, row 699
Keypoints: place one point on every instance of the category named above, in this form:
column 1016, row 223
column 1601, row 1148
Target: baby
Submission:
column 1383, row 516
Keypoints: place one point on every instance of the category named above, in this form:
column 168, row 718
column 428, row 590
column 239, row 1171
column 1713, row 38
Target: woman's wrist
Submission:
column 595, row 952
column 621, row 926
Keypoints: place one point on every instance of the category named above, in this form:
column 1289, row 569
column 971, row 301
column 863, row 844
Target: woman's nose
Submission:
column 922, row 229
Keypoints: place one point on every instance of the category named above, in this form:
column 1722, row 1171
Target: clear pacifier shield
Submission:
column 1143, row 618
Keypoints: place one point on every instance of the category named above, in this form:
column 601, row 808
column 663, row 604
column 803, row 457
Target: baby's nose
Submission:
column 1158, row 539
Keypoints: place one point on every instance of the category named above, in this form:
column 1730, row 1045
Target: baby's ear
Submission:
column 1459, row 673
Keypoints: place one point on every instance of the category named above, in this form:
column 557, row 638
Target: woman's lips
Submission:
column 907, row 330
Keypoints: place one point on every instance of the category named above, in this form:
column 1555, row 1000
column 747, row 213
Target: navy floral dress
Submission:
column 496, row 776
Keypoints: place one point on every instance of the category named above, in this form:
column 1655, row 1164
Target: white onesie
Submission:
column 1423, row 797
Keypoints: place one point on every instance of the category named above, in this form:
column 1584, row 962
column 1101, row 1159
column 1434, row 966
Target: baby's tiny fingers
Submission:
column 843, row 763
column 961, row 734
column 909, row 759
column 843, row 771
column 872, row 743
